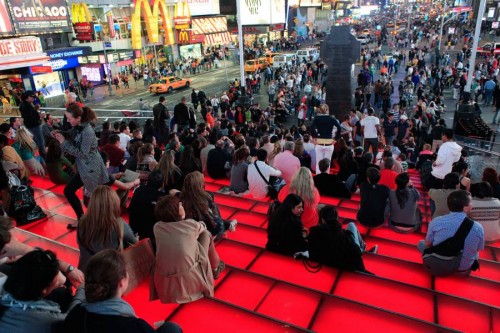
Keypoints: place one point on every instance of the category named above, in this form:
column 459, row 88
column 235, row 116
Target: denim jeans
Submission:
column 39, row 139
column 358, row 240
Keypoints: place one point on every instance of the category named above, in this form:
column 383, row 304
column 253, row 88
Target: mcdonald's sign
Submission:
column 80, row 13
column 152, row 22
column 182, row 16
column 183, row 37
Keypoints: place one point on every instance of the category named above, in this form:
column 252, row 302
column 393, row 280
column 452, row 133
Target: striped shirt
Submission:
column 444, row 227
column 487, row 213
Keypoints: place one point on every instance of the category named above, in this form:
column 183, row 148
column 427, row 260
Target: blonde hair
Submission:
column 324, row 109
column 299, row 148
column 25, row 140
column 276, row 150
column 102, row 219
column 303, row 185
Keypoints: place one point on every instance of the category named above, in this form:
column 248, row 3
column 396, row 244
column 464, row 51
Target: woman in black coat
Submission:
column 285, row 233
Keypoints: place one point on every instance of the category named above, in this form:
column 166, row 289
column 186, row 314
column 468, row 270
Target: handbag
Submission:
column 23, row 207
column 140, row 260
column 273, row 187
column 444, row 258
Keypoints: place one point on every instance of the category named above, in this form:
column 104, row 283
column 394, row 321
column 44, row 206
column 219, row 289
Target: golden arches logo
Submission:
column 151, row 21
column 183, row 37
column 80, row 13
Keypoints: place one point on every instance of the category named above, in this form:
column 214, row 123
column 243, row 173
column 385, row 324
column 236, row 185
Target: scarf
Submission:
column 114, row 306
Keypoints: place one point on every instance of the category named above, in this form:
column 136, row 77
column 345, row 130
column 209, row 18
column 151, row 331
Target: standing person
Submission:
column 160, row 121
column 83, row 147
column 181, row 115
column 32, row 120
column 194, row 99
column 390, row 127
column 327, row 129
column 449, row 152
column 215, row 106
column 370, row 128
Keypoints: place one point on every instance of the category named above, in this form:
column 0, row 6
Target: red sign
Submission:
column 182, row 22
column 197, row 39
column 83, row 31
column 40, row 69
column 111, row 24
column 20, row 46
column 277, row 27
column 183, row 37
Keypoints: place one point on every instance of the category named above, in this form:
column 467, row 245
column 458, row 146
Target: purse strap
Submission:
column 260, row 173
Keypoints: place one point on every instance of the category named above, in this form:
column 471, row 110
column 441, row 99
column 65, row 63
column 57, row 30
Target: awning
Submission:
column 21, row 62
column 125, row 63
column 220, row 38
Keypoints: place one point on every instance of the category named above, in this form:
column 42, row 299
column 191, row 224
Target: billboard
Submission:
column 40, row 15
column 20, row 47
column 142, row 8
column 310, row 3
column 203, row 7
column 5, row 23
column 209, row 25
column 263, row 12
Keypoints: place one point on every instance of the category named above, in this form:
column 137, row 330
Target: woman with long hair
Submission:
column 490, row 175
column 276, row 150
column 285, row 233
column 186, row 260
column 486, row 210
column 146, row 161
column 27, row 148
column 200, row 206
column 239, row 182
column 99, row 307
column 101, row 227
column 188, row 162
column 403, row 204
column 59, row 168
column 331, row 245
column 302, row 184
column 172, row 175
column 91, row 171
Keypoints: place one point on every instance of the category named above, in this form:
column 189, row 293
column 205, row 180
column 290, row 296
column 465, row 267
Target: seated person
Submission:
column 444, row 227
column 239, row 181
column 99, row 307
column 186, row 259
column 59, row 168
column 257, row 185
column 115, row 153
column 330, row 185
column 388, row 175
column 403, row 205
column 374, row 197
column 396, row 165
column 366, row 163
column 27, row 148
column 23, row 294
column 439, row 197
column 333, row 246
column 486, row 210
column 143, row 203
column 285, row 233
column 218, row 159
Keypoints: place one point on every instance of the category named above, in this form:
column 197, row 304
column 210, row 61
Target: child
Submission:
column 402, row 160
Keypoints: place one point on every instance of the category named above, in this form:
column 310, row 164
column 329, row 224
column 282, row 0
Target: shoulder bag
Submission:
column 274, row 187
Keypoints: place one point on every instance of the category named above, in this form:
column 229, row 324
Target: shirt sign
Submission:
column 20, row 46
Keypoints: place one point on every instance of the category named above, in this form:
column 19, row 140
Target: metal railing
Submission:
column 481, row 154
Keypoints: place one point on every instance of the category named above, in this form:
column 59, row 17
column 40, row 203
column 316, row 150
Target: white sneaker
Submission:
column 232, row 225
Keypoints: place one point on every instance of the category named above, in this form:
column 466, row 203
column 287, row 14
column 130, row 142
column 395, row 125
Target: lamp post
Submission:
column 243, row 100
column 107, row 69
column 445, row 7
column 472, row 59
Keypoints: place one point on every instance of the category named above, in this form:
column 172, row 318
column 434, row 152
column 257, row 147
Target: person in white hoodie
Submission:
column 449, row 152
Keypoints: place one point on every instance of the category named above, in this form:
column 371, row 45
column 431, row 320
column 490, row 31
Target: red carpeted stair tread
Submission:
column 479, row 290
column 465, row 316
column 63, row 252
column 53, row 227
column 237, row 254
column 249, row 218
column 248, row 235
column 233, row 201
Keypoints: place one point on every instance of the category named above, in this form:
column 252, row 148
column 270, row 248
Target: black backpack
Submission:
column 444, row 258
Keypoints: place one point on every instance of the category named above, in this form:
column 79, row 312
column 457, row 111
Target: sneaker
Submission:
column 373, row 250
column 219, row 269
column 232, row 225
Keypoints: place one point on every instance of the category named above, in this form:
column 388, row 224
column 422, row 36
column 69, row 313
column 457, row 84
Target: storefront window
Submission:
column 48, row 84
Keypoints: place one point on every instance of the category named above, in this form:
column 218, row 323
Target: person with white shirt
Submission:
column 215, row 106
column 124, row 137
column 257, row 185
column 449, row 152
column 370, row 128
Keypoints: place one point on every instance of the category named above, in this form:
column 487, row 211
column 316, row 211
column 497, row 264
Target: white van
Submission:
column 284, row 60
column 308, row 54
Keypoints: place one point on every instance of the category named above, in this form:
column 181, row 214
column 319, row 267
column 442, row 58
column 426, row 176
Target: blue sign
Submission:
column 97, row 28
column 70, row 52
column 61, row 64
column 107, row 44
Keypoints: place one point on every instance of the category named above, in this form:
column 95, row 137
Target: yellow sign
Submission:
column 183, row 37
column 80, row 13
column 151, row 21
column 182, row 15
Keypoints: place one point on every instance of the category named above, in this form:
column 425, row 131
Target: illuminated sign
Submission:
column 203, row 7
column 80, row 13
column 182, row 16
column 93, row 73
column 209, row 25
column 69, row 52
column 40, row 69
column 151, row 22
column 263, row 12
column 40, row 15
column 183, row 37
column 5, row 23
column 60, row 64
column 20, row 46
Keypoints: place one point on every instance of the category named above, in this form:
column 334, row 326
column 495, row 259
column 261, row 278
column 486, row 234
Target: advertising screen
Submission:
column 310, row 3
column 93, row 72
column 41, row 15
column 192, row 51
column 5, row 23
column 203, row 7
column 48, row 84
column 263, row 12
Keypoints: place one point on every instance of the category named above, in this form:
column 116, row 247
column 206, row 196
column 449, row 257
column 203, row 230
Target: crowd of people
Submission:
column 166, row 161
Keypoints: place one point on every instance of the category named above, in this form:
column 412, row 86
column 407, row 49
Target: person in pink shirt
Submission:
column 286, row 162
column 302, row 184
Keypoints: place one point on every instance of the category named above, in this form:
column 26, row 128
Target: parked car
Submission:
column 363, row 39
column 168, row 84
column 308, row 54
column 486, row 48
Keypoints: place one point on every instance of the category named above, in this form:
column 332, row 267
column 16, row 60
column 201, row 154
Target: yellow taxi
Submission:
column 270, row 57
column 168, row 84
column 252, row 65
